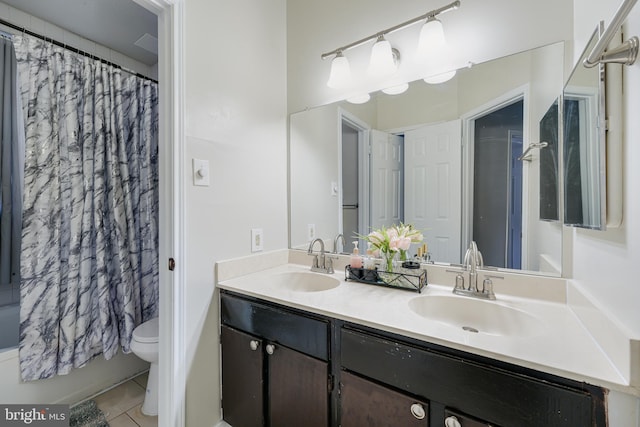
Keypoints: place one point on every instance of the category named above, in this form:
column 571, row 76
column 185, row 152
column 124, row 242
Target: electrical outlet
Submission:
column 311, row 232
column 257, row 241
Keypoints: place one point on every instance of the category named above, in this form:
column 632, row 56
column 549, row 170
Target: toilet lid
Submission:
column 147, row 331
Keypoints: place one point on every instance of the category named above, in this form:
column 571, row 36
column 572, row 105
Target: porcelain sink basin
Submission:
column 476, row 315
column 299, row 281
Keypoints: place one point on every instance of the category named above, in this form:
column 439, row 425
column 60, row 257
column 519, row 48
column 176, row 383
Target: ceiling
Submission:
column 117, row 24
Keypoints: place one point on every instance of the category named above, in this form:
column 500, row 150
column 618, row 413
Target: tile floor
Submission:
column 122, row 404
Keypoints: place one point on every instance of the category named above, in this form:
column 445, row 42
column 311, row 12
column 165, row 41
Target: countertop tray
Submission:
column 410, row 279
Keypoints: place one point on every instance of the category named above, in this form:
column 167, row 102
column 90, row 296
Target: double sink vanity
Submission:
column 306, row 348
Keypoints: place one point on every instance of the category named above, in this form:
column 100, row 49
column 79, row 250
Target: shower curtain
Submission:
column 11, row 166
column 89, row 260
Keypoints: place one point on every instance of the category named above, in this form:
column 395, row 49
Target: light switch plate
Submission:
column 334, row 188
column 201, row 172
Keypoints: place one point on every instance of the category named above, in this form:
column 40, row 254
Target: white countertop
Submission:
column 562, row 346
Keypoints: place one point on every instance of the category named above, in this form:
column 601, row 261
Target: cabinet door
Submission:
column 365, row 403
column 242, row 382
column 298, row 389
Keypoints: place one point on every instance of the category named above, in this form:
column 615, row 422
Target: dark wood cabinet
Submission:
column 365, row 403
column 381, row 378
column 298, row 389
column 264, row 381
column 242, row 382
column 489, row 392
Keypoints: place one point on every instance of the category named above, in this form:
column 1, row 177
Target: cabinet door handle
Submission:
column 270, row 348
column 417, row 410
column 254, row 344
column 452, row 422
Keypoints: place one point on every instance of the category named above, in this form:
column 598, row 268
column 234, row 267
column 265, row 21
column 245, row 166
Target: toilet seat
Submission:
column 147, row 332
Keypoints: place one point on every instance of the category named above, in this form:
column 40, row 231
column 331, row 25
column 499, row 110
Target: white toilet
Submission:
column 144, row 344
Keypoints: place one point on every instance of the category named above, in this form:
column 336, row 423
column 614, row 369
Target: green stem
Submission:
column 389, row 258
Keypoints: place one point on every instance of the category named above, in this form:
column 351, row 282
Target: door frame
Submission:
column 364, row 152
column 468, row 124
column 510, row 138
column 172, row 185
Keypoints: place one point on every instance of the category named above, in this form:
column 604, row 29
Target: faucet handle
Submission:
column 459, row 284
column 314, row 263
column 328, row 264
column 487, row 286
column 459, row 281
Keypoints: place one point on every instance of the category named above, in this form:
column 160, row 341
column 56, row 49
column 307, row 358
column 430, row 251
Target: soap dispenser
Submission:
column 369, row 260
column 356, row 259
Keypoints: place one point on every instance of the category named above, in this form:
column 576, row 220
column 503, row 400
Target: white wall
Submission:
column 605, row 264
column 615, row 287
column 236, row 118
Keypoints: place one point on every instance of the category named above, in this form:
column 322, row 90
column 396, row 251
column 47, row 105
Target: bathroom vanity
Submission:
column 286, row 367
column 289, row 363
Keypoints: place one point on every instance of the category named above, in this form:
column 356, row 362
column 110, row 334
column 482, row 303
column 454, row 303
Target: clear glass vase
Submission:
column 388, row 258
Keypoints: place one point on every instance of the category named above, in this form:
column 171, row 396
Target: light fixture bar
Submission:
column 433, row 13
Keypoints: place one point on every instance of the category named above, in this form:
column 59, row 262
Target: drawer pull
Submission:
column 418, row 411
column 452, row 422
column 254, row 344
column 270, row 348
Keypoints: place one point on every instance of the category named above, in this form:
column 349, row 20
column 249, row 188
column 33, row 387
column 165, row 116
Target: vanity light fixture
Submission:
column 340, row 75
column 384, row 59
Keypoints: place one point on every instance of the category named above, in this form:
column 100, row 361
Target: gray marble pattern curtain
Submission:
column 11, row 166
column 89, row 261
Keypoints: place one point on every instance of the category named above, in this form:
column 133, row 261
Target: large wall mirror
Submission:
column 445, row 158
column 584, row 144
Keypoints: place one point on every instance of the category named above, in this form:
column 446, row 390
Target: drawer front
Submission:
column 299, row 332
column 453, row 419
column 491, row 394
column 365, row 403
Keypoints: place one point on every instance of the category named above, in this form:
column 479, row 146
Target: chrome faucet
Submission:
column 472, row 262
column 335, row 243
column 321, row 263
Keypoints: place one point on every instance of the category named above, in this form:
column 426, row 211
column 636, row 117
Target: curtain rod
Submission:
column 73, row 49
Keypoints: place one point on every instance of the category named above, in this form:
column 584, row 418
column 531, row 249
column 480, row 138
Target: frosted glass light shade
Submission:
column 440, row 78
column 359, row 99
column 396, row 90
column 431, row 38
column 340, row 75
column 382, row 62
